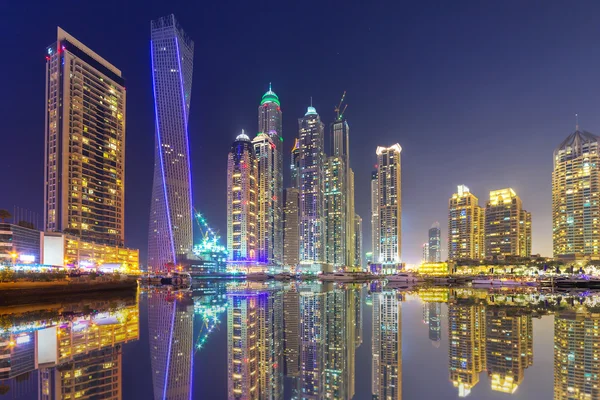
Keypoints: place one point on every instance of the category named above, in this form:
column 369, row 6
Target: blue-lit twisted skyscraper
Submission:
column 172, row 54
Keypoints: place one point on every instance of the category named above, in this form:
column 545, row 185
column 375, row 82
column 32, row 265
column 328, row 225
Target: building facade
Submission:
column 242, row 200
column 19, row 244
column 84, row 156
column 507, row 225
column 387, row 346
column 434, row 244
column 358, row 241
column 375, row 240
column 335, row 211
column 170, row 234
column 390, row 204
column 291, row 230
column 295, row 165
column 575, row 191
column 312, row 221
column 465, row 226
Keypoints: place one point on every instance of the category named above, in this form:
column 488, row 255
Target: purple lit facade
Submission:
column 170, row 231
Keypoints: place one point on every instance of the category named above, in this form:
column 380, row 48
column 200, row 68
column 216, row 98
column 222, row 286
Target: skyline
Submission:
column 502, row 110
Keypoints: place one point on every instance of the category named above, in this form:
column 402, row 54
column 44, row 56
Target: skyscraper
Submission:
column 268, row 145
column 312, row 222
column 170, row 233
column 390, row 204
column 291, row 231
column 434, row 244
column 84, row 175
column 269, row 219
column 507, row 225
column 375, row 239
column 350, row 213
column 312, row 340
column 241, row 200
column 387, row 346
column 465, row 226
column 358, row 241
column 575, row 191
column 295, row 165
column 335, row 212
column 425, row 256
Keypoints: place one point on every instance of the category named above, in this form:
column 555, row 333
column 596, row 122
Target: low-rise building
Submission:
column 19, row 244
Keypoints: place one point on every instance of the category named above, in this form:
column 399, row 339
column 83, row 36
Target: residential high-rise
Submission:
column 335, row 211
column 390, row 204
column 375, row 239
column 84, row 175
column 576, row 354
column 268, row 145
column 425, row 256
column 435, row 244
column 295, row 166
column 358, row 241
column 465, row 226
column 350, row 213
column 291, row 231
column 507, row 225
column 291, row 332
column 269, row 218
column 575, row 191
column 242, row 201
column 312, row 340
column 170, row 234
column 387, row 346
column 312, row 221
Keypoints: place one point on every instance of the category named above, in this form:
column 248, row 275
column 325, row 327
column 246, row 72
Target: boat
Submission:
column 282, row 276
column 403, row 277
column 257, row 276
column 344, row 276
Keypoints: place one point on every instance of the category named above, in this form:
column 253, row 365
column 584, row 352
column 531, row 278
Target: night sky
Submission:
column 475, row 93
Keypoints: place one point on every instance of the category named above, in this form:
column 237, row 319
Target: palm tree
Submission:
column 4, row 215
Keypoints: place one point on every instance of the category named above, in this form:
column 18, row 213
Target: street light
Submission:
column 14, row 258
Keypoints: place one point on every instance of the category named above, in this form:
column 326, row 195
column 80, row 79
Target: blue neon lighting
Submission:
column 160, row 152
column 169, row 353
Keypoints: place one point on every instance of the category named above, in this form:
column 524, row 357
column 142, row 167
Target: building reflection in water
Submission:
column 432, row 313
column 577, row 355
column 387, row 345
column 66, row 350
column 255, row 342
column 171, row 329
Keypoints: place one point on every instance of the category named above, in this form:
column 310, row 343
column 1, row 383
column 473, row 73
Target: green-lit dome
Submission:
column 270, row 97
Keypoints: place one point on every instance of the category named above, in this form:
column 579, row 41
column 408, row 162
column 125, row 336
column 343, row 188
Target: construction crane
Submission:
column 338, row 110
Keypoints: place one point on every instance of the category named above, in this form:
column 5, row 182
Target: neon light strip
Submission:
column 185, row 121
column 160, row 151
column 169, row 353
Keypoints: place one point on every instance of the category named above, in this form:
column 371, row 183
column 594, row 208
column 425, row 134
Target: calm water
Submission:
column 304, row 341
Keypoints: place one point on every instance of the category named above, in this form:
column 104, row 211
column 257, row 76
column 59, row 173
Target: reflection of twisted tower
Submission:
column 387, row 346
column 435, row 328
column 576, row 354
column 171, row 327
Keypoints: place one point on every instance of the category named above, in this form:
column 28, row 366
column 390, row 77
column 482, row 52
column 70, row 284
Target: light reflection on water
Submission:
column 304, row 340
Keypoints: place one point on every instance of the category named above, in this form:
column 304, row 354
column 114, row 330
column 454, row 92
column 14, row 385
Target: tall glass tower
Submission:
column 312, row 222
column 172, row 55
column 268, row 146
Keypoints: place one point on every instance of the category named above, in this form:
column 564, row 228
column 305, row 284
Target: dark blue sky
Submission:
column 476, row 93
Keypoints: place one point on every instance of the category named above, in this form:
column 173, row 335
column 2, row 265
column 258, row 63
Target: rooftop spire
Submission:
column 311, row 101
column 576, row 122
column 270, row 87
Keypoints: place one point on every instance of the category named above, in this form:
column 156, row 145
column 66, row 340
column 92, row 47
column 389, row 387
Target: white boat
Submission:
column 495, row 282
column 344, row 276
column 403, row 277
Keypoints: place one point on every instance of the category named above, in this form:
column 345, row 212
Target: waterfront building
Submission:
column 575, row 204
column 350, row 214
column 291, row 231
column 171, row 333
column 509, row 347
column 295, row 165
column 64, row 250
column 335, row 197
column 466, row 345
column 358, row 241
column 576, row 354
column 170, row 231
column 390, row 204
column 465, row 226
column 434, row 269
column 291, row 332
column 242, row 200
column 312, row 219
column 268, row 146
column 425, row 256
column 375, row 240
column 435, row 244
column 507, row 225
column 387, row 346
column 19, row 244
column 269, row 217
column 312, row 340
column 84, row 175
